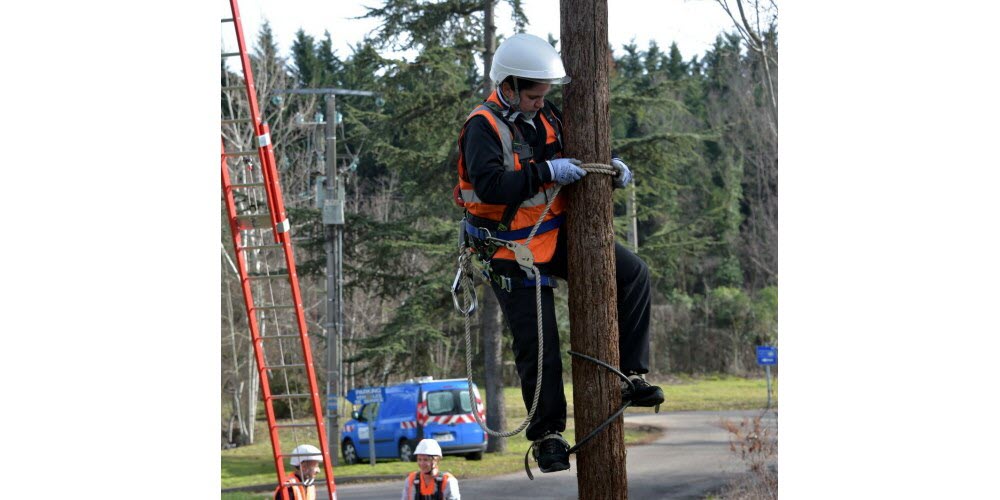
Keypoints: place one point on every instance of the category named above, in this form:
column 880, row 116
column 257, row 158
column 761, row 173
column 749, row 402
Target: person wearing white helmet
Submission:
column 429, row 483
column 510, row 162
column 306, row 459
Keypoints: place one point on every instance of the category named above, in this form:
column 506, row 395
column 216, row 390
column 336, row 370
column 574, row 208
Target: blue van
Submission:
column 414, row 410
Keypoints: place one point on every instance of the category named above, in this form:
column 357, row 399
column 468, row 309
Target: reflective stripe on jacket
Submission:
column 542, row 246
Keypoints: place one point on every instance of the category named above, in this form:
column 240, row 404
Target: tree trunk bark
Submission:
column 489, row 317
column 489, row 43
column 592, row 291
column 492, row 332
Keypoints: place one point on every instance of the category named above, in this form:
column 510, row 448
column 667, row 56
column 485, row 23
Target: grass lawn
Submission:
column 715, row 393
column 250, row 465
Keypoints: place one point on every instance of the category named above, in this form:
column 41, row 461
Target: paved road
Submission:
column 690, row 460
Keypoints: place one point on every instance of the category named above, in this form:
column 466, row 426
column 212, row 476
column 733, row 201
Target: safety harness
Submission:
column 418, row 491
column 485, row 236
column 477, row 236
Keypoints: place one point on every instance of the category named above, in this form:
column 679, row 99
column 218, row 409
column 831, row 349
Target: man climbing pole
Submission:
column 510, row 170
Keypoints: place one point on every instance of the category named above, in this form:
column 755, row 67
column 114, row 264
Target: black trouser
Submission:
column 519, row 309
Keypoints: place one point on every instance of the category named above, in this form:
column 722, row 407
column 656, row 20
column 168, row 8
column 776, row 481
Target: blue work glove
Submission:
column 624, row 175
column 565, row 170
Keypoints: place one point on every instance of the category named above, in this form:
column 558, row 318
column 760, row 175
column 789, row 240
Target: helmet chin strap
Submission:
column 302, row 476
column 513, row 103
column 516, row 100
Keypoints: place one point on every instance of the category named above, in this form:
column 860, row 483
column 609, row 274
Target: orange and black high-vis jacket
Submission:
column 502, row 169
column 296, row 491
column 421, row 486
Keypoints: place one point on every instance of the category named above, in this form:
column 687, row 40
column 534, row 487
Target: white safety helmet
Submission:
column 302, row 450
column 529, row 57
column 428, row 447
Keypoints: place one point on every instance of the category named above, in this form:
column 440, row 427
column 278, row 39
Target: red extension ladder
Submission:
column 266, row 267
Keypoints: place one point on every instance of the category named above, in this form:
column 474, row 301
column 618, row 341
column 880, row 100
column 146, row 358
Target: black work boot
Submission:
column 641, row 393
column 551, row 453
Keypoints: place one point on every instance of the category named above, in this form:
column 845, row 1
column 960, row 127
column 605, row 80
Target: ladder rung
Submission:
column 272, row 308
column 289, row 396
column 242, row 153
column 254, row 221
column 267, row 337
column 229, row 121
column 227, row 19
column 248, row 185
column 230, row 54
column 261, row 247
column 298, row 454
column 283, row 367
column 267, row 276
column 295, row 425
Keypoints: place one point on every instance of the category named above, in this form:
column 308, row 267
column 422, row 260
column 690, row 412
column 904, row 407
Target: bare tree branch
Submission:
column 756, row 43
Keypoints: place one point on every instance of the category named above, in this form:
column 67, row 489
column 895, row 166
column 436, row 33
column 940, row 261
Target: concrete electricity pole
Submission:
column 592, row 306
column 333, row 220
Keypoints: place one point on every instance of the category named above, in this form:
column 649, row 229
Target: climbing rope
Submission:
column 465, row 279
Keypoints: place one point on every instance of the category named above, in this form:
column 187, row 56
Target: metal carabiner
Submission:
column 456, row 286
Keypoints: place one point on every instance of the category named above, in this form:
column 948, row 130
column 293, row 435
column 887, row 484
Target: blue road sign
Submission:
column 367, row 395
column 767, row 355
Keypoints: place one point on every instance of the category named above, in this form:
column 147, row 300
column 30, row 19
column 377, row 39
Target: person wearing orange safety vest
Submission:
column 429, row 483
column 510, row 162
column 306, row 459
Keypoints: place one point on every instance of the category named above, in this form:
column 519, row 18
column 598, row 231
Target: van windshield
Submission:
column 453, row 402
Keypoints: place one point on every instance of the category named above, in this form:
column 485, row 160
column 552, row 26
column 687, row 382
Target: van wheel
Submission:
column 405, row 451
column 476, row 455
column 350, row 454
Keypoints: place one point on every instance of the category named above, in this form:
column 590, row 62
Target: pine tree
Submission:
column 308, row 69
column 675, row 66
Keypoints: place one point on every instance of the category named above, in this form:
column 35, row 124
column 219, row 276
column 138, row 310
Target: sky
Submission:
column 693, row 24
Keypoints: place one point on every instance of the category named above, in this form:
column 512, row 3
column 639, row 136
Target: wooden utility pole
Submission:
column 593, row 314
